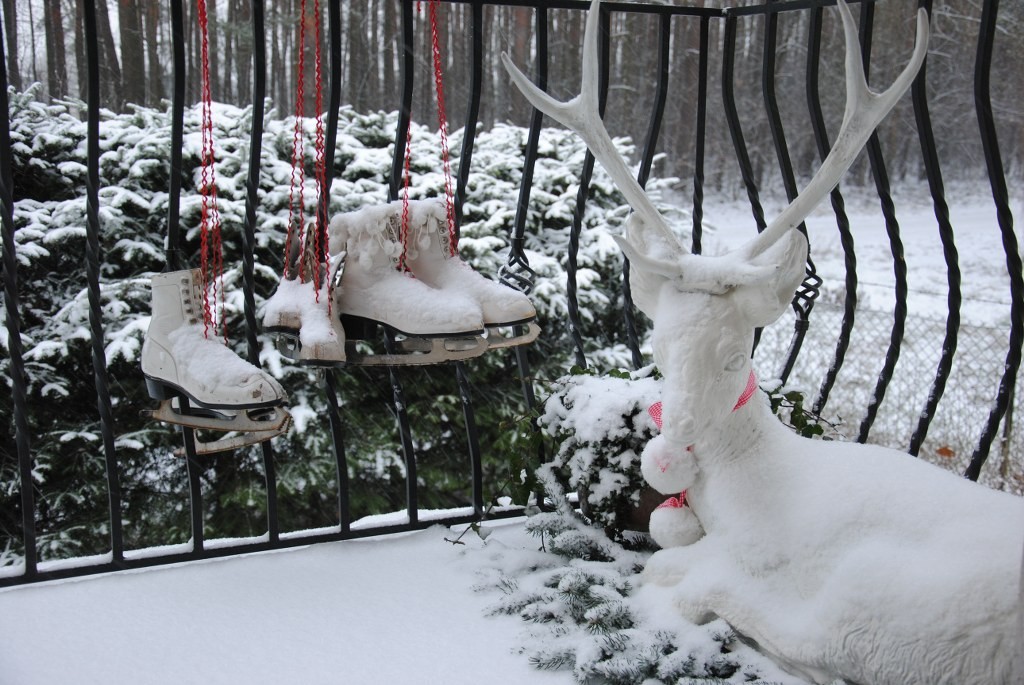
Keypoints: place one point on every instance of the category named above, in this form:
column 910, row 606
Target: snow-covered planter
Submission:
column 601, row 424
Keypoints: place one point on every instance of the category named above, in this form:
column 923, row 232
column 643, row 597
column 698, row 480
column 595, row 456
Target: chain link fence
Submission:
column 964, row 407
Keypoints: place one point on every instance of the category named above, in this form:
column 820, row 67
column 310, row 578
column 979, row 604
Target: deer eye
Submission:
column 736, row 362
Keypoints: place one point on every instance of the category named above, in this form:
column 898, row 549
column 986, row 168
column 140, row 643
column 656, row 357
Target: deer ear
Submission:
column 653, row 262
column 764, row 300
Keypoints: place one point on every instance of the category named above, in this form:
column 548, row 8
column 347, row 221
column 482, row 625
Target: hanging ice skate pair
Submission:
column 394, row 266
column 432, row 306
column 200, row 383
column 406, row 275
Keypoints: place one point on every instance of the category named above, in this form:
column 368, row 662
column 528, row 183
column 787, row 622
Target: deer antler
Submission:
column 864, row 110
column 581, row 114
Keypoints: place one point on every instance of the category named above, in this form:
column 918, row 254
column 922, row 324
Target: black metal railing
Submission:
column 672, row 21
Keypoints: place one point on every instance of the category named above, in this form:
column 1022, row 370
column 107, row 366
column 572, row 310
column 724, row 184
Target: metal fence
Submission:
column 671, row 20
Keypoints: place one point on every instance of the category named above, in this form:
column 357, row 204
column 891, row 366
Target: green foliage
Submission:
column 48, row 144
column 788, row 405
column 600, row 426
column 576, row 599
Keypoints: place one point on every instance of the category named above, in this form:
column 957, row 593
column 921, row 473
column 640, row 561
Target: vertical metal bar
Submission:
column 646, row 159
column 175, row 259
column 892, row 227
column 338, row 444
column 575, row 324
column 462, row 178
column 997, row 181
column 472, row 437
column 252, row 185
column 660, row 97
column 404, row 113
column 699, row 137
column 532, row 141
column 19, row 388
column 517, row 271
column 472, row 109
column 517, row 256
column 330, row 380
column 805, row 295
column 193, row 469
column 732, row 118
column 933, row 172
column 405, row 103
column 92, row 268
column 838, row 207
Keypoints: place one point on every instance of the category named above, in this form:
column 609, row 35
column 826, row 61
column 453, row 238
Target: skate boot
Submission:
column 435, row 262
column 199, row 381
column 422, row 325
column 299, row 315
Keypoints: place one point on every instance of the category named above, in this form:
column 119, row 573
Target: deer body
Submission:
column 849, row 560
column 839, row 560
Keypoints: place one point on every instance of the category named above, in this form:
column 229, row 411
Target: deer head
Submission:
column 706, row 308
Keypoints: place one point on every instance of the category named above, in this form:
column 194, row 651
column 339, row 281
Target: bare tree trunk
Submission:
column 213, row 37
column 155, row 81
column 32, row 41
column 391, row 33
column 358, row 47
column 56, row 60
column 276, row 61
column 230, row 71
column 311, row 24
column 80, row 60
column 244, row 50
column 132, row 54
column 110, row 69
column 381, row 54
column 11, row 36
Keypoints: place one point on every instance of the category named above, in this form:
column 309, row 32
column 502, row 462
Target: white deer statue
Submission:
column 839, row 560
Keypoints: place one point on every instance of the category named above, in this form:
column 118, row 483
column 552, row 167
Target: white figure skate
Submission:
column 199, row 381
column 423, row 325
column 435, row 261
column 300, row 316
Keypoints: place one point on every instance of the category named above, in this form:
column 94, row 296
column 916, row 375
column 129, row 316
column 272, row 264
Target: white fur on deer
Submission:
column 838, row 559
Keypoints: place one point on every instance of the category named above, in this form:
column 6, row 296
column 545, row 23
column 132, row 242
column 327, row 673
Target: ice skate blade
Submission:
column 258, row 420
column 361, row 328
column 290, row 347
column 160, row 389
column 420, row 351
column 250, row 426
column 496, row 340
column 238, row 441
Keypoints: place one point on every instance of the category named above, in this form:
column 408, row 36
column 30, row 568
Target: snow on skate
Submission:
column 199, row 381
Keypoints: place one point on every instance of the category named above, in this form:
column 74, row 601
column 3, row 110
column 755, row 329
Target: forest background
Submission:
column 45, row 54
column 44, row 43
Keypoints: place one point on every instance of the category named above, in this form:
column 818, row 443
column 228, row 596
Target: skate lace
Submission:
column 442, row 124
column 211, row 256
column 450, row 242
column 312, row 237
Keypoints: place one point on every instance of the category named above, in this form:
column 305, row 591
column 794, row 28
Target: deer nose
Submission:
column 683, row 431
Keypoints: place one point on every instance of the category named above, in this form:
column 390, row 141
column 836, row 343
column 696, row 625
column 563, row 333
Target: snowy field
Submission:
column 411, row 608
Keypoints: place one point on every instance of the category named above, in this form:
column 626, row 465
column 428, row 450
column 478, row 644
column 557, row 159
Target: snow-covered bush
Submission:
column 50, row 216
column 600, row 425
column 584, row 612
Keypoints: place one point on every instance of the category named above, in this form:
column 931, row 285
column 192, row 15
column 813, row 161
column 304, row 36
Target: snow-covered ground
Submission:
column 390, row 610
column 402, row 608
column 972, row 214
